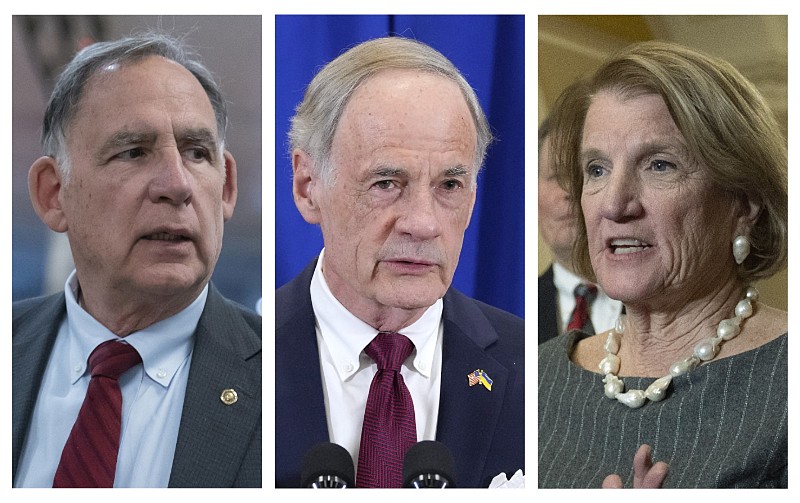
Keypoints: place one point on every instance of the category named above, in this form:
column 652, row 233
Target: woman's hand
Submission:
column 646, row 475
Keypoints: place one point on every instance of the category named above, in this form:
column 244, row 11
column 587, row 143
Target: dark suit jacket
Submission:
column 484, row 430
column 548, row 306
column 218, row 445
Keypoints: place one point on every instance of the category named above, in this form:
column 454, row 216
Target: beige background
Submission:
column 574, row 46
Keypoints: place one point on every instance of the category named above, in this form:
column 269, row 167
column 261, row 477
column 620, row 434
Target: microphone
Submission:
column 428, row 465
column 328, row 465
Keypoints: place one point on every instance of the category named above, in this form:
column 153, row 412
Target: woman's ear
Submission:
column 749, row 211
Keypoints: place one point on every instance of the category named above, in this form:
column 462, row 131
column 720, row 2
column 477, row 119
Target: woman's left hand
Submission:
column 646, row 475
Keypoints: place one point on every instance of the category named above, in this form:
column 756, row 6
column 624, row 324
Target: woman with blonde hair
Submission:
column 677, row 169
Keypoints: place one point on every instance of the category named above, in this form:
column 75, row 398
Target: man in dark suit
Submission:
column 559, row 285
column 136, row 173
column 557, row 229
column 386, row 148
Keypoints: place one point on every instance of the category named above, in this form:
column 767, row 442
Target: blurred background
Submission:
column 230, row 46
column 571, row 47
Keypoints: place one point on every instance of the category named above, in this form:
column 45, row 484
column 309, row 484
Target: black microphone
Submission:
column 328, row 465
column 428, row 465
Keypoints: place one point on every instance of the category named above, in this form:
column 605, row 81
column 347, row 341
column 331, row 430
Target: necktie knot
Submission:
column 112, row 358
column 585, row 294
column 587, row 291
column 389, row 350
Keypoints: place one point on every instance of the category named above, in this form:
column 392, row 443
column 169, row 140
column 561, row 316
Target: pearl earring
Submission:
column 741, row 248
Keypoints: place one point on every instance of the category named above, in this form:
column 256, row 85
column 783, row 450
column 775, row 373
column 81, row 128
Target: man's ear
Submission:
column 305, row 186
column 473, row 197
column 230, row 190
column 44, row 187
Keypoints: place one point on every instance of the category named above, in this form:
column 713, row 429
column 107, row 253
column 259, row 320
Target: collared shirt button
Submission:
column 78, row 367
column 348, row 367
column 161, row 373
column 423, row 366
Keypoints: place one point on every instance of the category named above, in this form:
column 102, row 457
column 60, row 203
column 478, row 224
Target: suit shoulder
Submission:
column 250, row 317
column 27, row 310
column 293, row 300
column 504, row 322
column 509, row 327
column 21, row 307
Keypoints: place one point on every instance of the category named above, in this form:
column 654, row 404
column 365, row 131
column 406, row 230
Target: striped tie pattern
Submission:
column 389, row 425
column 89, row 458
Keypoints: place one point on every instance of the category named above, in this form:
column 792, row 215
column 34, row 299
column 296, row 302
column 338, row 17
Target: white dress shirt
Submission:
column 152, row 395
column 347, row 371
column 603, row 312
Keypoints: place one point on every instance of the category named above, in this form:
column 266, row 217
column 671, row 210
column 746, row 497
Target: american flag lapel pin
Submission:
column 479, row 376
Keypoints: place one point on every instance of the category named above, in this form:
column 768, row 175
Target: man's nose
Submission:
column 170, row 182
column 419, row 214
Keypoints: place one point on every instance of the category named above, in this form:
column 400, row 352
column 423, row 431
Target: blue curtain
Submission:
column 489, row 51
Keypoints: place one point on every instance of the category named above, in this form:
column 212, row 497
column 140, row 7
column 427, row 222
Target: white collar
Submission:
column 346, row 335
column 163, row 346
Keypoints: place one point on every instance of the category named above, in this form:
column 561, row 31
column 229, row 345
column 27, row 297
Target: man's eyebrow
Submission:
column 198, row 135
column 389, row 171
column 124, row 138
column 459, row 170
column 127, row 137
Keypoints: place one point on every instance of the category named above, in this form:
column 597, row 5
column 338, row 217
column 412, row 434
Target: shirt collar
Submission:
column 163, row 346
column 565, row 280
column 346, row 335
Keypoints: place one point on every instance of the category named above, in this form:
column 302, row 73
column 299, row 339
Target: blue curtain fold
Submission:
column 489, row 51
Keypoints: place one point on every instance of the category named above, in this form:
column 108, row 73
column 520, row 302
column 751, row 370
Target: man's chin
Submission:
column 412, row 299
column 174, row 282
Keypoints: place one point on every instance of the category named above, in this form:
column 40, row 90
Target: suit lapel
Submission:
column 548, row 316
column 468, row 415
column 300, row 417
column 214, row 436
column 34, row 333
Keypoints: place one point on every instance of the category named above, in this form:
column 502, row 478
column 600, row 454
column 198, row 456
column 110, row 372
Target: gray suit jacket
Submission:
column 218, row 445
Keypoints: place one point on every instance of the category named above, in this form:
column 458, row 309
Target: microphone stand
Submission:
column 328, row 482
column 429, row 481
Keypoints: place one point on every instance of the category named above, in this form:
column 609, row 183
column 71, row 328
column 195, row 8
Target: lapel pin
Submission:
column 229, row 396
column 479, row 376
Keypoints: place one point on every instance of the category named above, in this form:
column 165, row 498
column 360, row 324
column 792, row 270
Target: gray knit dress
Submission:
column 722, row 425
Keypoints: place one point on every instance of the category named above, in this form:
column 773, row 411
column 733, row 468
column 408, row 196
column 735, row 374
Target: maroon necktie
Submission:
column 389, row 426
column 584, row 296
column 89, row 458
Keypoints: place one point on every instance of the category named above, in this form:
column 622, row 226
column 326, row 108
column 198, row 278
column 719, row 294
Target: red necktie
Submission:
column 89, row 458
column 389, row 427
column 584, row 295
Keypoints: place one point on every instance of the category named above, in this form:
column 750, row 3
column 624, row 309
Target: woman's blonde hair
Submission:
column 728, row 127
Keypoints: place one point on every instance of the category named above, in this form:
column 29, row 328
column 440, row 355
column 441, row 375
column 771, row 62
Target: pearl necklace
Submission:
column 705, row 351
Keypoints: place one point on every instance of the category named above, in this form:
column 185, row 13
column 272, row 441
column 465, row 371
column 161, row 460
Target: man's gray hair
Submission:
column 317, row 116
column 66, row 96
